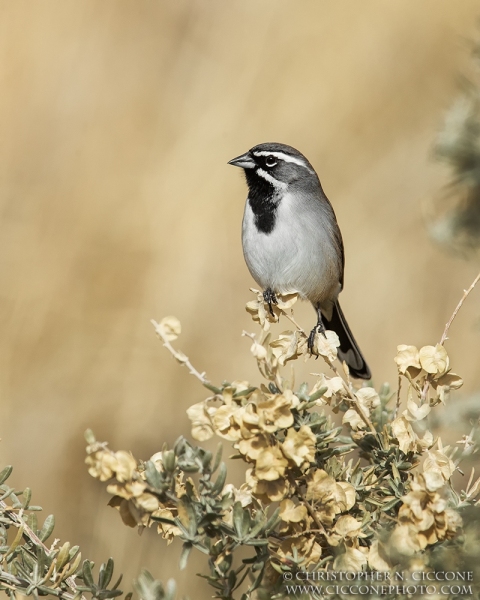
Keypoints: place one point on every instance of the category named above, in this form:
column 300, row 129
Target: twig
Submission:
column 397, row 404
column 424, row 394
column 292, row 320
column 179, row 356
column 265, row 367
column 302, row 533
column 356, row 405
column 459, row 306
column 309, row 508
column 354, row 401
column 444, row 338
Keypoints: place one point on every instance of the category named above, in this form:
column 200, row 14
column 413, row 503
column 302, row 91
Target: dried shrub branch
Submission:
column 373, row 492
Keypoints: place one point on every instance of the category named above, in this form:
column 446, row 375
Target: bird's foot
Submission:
column 270, row 298
column 319, row 328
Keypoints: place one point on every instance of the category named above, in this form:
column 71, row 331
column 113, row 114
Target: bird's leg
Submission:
column 319, row 328
column 270, row 298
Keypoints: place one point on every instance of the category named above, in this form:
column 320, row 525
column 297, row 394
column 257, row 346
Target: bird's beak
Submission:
column 244, row 161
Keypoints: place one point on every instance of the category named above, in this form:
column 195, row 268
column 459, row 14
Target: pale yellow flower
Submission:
column 321, row 487
column 407, row 357
column 353, row 419
column 292, row 513
column 275, row 413
column 243, row 494
column 168, row 531
column 101, row 465
column 329, row 496
column 125, row 466
column 423, row 518
column 305, row 547
column 270, row 464
column 148, row 502
column 403, row 432
column 288, row 346
column 201, row 422
column 447, row 382
column 326, row 345
column 368, row 398
column 224, row 423
column 253, row 446
column 346, row 498
column 434, row 359
column 438, row 462
column 247, row 419
column 271, row 491
column 415, row 412
column 170, row 328
column 335, row 389
column 258, row 351
column 353, row 559
column 299, row 446
column 346, row 528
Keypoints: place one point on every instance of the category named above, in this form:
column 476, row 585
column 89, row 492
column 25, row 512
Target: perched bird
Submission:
column 292, row 242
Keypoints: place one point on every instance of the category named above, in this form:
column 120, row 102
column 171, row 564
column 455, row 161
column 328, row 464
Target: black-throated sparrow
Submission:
column 291, row 240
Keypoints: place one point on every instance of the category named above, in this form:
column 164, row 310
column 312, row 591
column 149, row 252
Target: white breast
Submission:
column 299, row 255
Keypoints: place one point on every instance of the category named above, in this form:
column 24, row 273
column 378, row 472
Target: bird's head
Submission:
column 278, row 165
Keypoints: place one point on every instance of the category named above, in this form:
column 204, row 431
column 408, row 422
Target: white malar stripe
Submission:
column 285, row 157
column 279, row 185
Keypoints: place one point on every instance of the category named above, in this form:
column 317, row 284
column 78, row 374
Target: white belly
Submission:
column 297, row 256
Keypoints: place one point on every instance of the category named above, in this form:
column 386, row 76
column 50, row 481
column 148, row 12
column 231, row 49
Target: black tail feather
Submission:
column 349, row 350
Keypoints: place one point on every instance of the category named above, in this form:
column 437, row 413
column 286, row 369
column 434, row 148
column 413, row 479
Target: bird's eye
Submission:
column 270, row 161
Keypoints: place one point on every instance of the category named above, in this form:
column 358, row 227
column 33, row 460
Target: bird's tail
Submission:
column 349, row 350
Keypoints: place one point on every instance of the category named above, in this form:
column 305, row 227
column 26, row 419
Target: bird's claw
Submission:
column 319, row 328
column 270, row 298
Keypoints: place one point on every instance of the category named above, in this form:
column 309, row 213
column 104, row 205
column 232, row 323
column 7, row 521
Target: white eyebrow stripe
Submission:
column 280, row 185
column 285, row 157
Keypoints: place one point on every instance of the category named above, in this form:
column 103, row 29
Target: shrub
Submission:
column 372, row 494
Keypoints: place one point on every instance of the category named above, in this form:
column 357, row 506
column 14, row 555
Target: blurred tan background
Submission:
column 117, row 119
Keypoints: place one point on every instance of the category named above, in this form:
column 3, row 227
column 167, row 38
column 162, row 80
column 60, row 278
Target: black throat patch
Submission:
column 263, row 200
